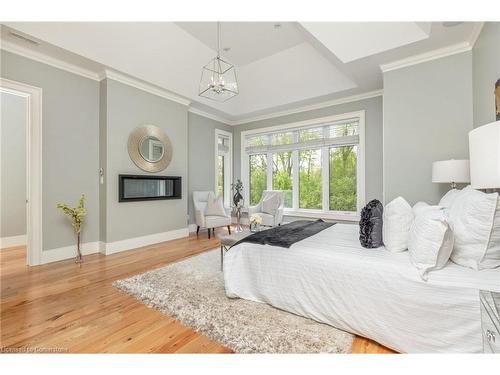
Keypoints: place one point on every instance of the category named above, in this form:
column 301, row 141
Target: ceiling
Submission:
column 280, row 65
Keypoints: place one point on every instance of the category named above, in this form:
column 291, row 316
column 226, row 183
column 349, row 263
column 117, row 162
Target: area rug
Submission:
column 192, row 291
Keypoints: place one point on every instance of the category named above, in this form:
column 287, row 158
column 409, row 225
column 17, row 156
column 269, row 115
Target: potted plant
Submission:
column 76, row 214
column 238, row 187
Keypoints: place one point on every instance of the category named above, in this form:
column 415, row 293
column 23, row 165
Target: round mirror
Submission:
column 151, row 149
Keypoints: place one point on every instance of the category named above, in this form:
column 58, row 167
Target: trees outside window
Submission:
column 282, row 176
column 258, row 177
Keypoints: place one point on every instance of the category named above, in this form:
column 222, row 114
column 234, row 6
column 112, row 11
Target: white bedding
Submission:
column 373, row 293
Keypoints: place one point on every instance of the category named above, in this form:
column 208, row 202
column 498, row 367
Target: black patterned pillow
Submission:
column 370, row 225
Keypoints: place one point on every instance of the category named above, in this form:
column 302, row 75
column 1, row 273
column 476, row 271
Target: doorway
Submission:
column 21, row 150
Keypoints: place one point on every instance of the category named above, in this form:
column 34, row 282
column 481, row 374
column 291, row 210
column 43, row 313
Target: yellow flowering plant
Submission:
column 76, row 214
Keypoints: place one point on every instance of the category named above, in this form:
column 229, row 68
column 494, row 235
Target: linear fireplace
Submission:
column 133, row 188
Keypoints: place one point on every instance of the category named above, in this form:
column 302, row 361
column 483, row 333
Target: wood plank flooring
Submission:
column 64, row 307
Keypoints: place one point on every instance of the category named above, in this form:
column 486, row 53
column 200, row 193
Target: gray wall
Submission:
column 127, row 108
column 486, row 71
column 427, row 117
column 373, row 137
column 70, row 143
column 13, row 111
column 201, row 141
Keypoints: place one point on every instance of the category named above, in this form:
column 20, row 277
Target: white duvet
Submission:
column 373, row 293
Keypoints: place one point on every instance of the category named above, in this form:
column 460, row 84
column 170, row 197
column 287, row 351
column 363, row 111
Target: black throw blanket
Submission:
column 286, row 235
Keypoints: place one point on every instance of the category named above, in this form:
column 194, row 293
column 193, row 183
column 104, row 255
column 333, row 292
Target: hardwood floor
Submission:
column 64, row 307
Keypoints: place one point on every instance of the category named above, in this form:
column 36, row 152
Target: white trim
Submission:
column 13, row 241
column 360, row 178
column 133, row 243
column 144, row 86
column 68, row 252
column 332, row 215
column 427, row 56
column 45, row 59
column 34, row 185
column 228, row 168
column 478, row 27
column 312, row 107
column 211, row 116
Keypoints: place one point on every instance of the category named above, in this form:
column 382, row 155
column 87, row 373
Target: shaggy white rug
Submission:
column 192, row 291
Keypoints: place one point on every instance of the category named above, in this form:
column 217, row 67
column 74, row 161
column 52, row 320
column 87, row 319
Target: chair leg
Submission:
column 209, row 229
column 197, row 230
column 229, row 229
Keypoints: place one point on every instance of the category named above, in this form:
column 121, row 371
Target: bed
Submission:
column 373, row 293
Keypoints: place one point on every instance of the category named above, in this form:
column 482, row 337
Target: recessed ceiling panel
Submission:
column 351, row 41
column 245, row 42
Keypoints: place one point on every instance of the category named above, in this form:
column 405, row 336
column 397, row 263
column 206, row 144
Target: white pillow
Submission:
column 398, row 217
column 449, row 198
column 420, row 206
column 270, row 204
column 430, row 241
column 215, row 206
column 475, row 219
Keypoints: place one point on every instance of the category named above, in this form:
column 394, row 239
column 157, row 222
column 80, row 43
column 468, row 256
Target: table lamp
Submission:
column 451, row 172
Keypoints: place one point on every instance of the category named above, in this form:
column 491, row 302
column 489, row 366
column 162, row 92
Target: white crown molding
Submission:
column 209, row 115
column 312, row 107
column 475, row 33
column 427, row 56
column 144, row 86
column 43, row 58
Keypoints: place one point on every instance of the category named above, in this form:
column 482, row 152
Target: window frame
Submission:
column 228, row 165
column 303, row 212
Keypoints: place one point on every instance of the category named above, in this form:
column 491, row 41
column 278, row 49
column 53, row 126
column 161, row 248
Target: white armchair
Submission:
column 200, row 199
column 269, row 218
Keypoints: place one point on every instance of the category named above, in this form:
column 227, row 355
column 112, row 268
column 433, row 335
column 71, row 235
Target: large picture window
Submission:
column 318, row 164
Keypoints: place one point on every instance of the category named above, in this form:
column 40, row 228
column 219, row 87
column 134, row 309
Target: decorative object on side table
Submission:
column 255, row 222
column 76, row 215
column 238, row 202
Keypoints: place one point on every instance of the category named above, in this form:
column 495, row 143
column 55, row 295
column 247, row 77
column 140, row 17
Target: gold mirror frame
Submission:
column 134, row 143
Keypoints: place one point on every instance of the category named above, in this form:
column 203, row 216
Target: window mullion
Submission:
column 295, row 179
column 325, row 173
column 269, row 171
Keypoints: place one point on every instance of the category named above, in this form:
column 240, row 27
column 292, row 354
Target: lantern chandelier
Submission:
column 218, row 78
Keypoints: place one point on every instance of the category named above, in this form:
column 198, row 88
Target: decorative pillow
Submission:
column 430, row 241
column 370, row 225
column 449, row 198
column 398, row 217
column 215, row 206
column 419, row 207
column 475, row 219
column 270, row 204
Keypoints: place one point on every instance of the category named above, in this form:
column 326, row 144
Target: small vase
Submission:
column 254, row 227
column 78, row 258
column 237, row 197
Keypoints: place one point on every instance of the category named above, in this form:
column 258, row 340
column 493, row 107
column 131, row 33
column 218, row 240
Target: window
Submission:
column 282, row 176
column 318, row 164
column 258, row 177
column 223, row 165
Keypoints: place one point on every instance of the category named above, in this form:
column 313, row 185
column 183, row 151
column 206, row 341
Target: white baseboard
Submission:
column 13, row 241
column 132, row 243
column 68, row 252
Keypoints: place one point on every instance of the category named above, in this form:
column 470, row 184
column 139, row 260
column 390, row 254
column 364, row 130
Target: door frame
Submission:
column 34, row 233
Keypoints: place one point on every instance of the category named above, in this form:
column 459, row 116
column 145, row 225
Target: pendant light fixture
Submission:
column 218, row 78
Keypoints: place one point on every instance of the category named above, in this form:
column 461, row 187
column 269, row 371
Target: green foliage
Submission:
column 342, row 167
column 76, row 214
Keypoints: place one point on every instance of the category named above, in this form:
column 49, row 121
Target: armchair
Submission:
column 202, row 220
column 269, row 218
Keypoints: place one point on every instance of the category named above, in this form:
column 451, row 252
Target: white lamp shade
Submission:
column 484, row 149
column 447, row 171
